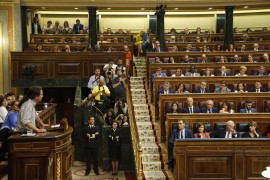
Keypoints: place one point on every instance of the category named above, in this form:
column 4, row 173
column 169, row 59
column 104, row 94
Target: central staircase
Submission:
column 152, row 152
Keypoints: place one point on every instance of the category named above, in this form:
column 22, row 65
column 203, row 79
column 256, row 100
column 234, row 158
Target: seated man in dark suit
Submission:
column 229, row 132
column 180, row 133
column 186, row 60
column 261, row 72
column 258, row 87
column 209, row 107
column 191, row 109
column 202, row 88
column 224, row 72
column 248, row 107
column 165, row 90
column 222, row 88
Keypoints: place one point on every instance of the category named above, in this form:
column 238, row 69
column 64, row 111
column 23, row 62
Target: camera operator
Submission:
column 101, row 93
column 120, row 107
column 109, row 79
column 119, row 86
column 120, row 66
column 110, row 67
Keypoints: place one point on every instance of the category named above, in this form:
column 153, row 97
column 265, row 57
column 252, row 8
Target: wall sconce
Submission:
column 29, row 70
column 266, row 173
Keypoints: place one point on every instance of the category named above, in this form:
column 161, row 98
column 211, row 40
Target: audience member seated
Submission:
column 250, row 59
column 222, row 88
column 120, row 107
column 157, row 60
column 265, row 57
column 245, row 37
column 173, row 31
column 192, row 72
column 39, row 48
column 236, row 30
column 178, row 73
column 174, row 49
column 222, row 59
column 186, row 60
column 171, row 60
column 78, row 27
column 55, row 49
column 9, row 125
column 241, row 88
column 165, row 90
column 158, row 73
column 257, row 87
column 255, row 47
column 242, row 71
column 203, row 59
column 206, row 49
column 248, row 107
column 174, row 108
column 208, row 73
column 57, row 29
column 229, row 132
column 181, row 88
column 190, row 108
column 186, row 31
column 209, row 107
column 36, row 29
column 224, row 71
column 3, row 109
column 235, row 59
column 119, row 86
column 188, row 47
column 67, row 48
column 261, row 72
column 253, row 133
column 264, row 29
column 120, row 31
column 201, row 132
column 198, row 30
column 182, row 39
column 230, row 48
column 181, row 132
column 217, row 48
column 108, row 31
column 109, row 116
column 243, row 48
column 48, row 28
column 66, row 27
column 172, row 39
column 156, row 47
column 226, row 108
column 202, row 88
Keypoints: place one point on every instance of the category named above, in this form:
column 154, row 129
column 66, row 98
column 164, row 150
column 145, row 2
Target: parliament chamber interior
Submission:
column 177, row 89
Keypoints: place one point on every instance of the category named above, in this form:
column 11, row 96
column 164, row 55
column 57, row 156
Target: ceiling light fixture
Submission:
column 142, row 8
column 76, row 8
column 245, row 7
column 176, row 8
column 109, row 8
column 210, row 8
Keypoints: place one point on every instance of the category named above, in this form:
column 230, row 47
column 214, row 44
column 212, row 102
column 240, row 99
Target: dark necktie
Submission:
column 202, row 91
column 209, row 110
column 190, row 110
column 181, row 135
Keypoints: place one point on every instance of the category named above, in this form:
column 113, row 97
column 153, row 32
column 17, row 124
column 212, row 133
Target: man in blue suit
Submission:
column 228, row 132
column 209, row 107
column 165, row 90
column 158, row 73
column 177, row 134
column 248, row 107
column 224, row 71
column 191, row 109
column 78, row 27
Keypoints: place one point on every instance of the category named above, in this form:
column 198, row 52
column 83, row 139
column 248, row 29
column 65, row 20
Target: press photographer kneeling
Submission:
column 101, row 93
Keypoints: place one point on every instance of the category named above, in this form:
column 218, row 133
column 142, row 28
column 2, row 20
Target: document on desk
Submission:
column 55, row 126
column 28, row 135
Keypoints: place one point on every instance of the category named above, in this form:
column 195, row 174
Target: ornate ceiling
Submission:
column 136, row 5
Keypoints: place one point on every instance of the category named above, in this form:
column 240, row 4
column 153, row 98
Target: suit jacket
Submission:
column 76, row 30
column 257, row 74
column 199, row 90
column 221, row 133
column 254, row 90
column 218, row 90
column 93, row 142
column 244, row 110
column 155, row 75
column 190, row 74
column 214, row 110
column 156, row 49
column 161, row 91
column 227, row 74
column 247, row 135
column 175, row 135
column 195, row 110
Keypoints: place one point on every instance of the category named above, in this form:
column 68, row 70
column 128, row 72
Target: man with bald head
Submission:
column 101, row 93
column 228, row 132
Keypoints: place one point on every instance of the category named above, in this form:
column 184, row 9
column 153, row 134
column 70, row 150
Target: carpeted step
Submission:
column 141, row 107
column 152, row 166
column 145, row 133
column 150, row 157
column 142, row 118
column 144, row 125
column 150, row 148
column 154, row 175
column 141, row 112
column 137, row 86
column 139, row 101
column 136, row 78
column 147, row 139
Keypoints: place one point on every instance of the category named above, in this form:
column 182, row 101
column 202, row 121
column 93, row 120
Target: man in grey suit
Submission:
column 248, row 107
column 158, row 73
column 222, row 88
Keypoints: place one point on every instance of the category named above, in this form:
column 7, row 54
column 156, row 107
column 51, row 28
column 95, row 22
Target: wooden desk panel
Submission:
column 44, row 156
column 239, row 159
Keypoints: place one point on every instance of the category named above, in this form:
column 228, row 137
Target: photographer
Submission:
column 101, row 94
column 109, row 79
column 120, row 107
column 119, row 86
column 93, row 80
column 109, row 68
